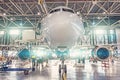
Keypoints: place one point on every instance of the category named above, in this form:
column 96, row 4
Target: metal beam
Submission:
column 83, row 8
column 60, row 1
column 110, row 8
column 23, row 13
column 16, row 7
column 27, row 6
column 100, row 6
column 115, row 25
column 102, row 14
column 91, row 8
column 2, row 25
column 101, row 21
column 30, row 22
column 11, row 8
column 11, row 21
column 115, row 7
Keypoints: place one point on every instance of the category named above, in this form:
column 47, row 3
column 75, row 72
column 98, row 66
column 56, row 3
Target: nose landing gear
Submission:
column 63, row 67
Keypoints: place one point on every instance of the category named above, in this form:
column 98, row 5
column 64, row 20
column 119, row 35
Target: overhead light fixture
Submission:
column 78, row 13
column 93, row 23
column 4, row 14
column 21, row 24
column 14, row 32
column 12, row 18
column 103, row 12
column 99, row 17
column 2, row 32
column 38, row 13
column 111, row 31
column 100, row 31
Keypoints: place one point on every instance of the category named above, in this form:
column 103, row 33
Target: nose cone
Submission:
column 24, row 54
column 63, row 36
column 102, row 53
column 62, row 29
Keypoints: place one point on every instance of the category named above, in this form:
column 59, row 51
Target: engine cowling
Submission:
column 24, row 54
column 101, row 53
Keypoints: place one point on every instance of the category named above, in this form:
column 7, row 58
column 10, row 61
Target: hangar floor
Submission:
column 89, row 71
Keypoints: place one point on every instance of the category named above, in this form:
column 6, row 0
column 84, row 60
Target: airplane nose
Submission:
column 24, row 54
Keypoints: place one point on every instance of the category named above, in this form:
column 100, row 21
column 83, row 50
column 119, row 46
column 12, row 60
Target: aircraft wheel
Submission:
column 33, row 69
column 26, row 72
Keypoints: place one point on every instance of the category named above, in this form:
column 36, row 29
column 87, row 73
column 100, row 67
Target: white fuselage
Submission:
column 62, row 28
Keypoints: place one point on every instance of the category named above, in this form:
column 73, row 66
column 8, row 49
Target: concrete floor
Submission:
column 89, row 72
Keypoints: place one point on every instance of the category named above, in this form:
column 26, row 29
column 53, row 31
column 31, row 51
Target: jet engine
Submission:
column 24, row 54
column 101, row 53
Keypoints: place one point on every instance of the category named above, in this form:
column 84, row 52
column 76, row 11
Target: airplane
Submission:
column 62, row 28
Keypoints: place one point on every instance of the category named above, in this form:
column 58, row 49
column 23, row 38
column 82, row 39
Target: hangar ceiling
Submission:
column 28, row 13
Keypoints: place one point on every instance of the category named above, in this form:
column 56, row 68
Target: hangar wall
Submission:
column 28, row 35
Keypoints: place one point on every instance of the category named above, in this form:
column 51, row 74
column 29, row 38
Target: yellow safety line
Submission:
column 64, row 76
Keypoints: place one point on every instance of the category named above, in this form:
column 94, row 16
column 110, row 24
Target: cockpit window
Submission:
column 62, row 9
column 68, row 10
column 55, row 10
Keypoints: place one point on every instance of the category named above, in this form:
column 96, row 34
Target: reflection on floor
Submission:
column 88, row 72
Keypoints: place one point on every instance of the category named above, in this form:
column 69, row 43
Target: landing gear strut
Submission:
column 62, row 67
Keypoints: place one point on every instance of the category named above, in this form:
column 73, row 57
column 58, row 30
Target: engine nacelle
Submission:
column 24, row 54
column 101, row 53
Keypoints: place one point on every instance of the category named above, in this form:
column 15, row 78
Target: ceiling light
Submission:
column 38, row 13
column 14, row 32
column 4, row 14
column 2, row 32
column 78, row 13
